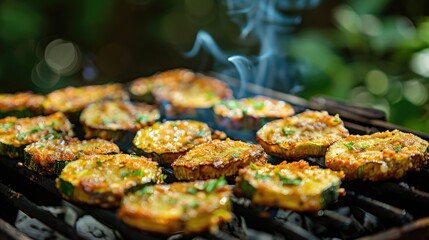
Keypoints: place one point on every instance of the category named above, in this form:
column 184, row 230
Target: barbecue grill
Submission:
column 394, row 209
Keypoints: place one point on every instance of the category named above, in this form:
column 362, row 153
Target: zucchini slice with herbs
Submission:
column 217, row 158
column 165, row 142
column 379, row 156
column 72, row 100
column 16, row 133
column 50, row 156
column 112, row 119
column 192, row 207
column 250, row 113
column 296, row 186
column 102, row 179
column 307, row 134
column 24, row 104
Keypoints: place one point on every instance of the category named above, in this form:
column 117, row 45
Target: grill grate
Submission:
column 394, row 209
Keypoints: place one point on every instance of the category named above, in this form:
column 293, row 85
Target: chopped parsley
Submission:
column 349, row 145
column 253, row 166
column 7, row 126
column 212, row 185
column 105, row 121
column 192, row 191
column 363, row 147
column 201, row 133
column 148, row 190
column 194, row 205
column 163, row 177
column 288, row 131
column 397, row 148
column 211, row 95
column 142, row 118
column 258, row 105
column 99, row 163
column 232, row 104
column 133, row 173
column 234, row 155
column 289, row 181
column 262, row 176
column 336, row 118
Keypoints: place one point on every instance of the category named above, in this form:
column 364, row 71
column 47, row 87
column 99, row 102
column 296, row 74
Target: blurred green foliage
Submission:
column 374, row 53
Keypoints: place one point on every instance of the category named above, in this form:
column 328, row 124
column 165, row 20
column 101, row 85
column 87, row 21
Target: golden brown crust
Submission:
column 23, row 131
column 20, row 101
column 75, row 99
column 171, row 139
column 307, row 134
column 45, row 153
column 102, row 179
column 296, row 186
column 217, row 158
column 379, row 156
column 117, row 116
column 191, row 207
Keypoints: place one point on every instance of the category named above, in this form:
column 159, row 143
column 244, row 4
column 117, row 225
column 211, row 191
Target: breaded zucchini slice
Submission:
column 102, row 179
column 379, row 156
column 307, row 134
column 192, row 207
column 74, row 99
column 296, row 186
column 217, row 158
column 185, row 89
column 16, row 133
column 23, row 104
column 111, row 119
column 250, row 113
column 50, row 156
column 165, row 142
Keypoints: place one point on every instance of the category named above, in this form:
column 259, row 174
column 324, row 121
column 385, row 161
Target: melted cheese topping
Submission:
column 176, row 202
column 183, row 88
column 119, row 115
column 22, row 100
column 71, row 99
column 172, row 136
column 308, row 127
column 296, row 178
column 110, row 173
column 22, row 131
column 256, row 107
column 46, row 152
column 393, row 151
column 220, row 153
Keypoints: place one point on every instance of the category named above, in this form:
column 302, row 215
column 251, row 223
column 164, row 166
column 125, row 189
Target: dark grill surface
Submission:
column 395, row 209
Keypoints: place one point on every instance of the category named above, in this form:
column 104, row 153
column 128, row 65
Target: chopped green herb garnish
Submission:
column 212, row 185
column 244, row 111
column 137, row 173
column 363, row 147
column 288, row 131
column 99, row 163
column 211, row 95
column 258, row 105
column 194, row 204
column 21, row 136
column 192, row 191
column 6, row 126
column 83, row 172
column 163, row 177
column 142, row 118
column 397, row 148
column 253, row 166
column 201, row 133
column 262, row 176
column 349, row 145
column 66, row 188
column 231, row 104
column 105, row 121
column 289, row 181
column 336, row 118
column 148, row 190
column 234, row 155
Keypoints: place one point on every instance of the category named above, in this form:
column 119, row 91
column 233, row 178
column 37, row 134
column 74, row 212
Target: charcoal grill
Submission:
column 394, row 209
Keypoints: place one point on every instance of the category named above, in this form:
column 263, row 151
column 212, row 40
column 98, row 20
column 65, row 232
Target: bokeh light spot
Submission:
column 420, row 62
column 415, row 92
column 62, row 57
column 377, row 82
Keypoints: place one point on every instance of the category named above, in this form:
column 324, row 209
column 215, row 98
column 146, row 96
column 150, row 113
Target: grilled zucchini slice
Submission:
column 72, row 100
column 308, row 134
column 379, row 156
column 102, row 179
column 217, row 158
column 296, row 186
column 250, row 113
column 50, row 156
column 16, row 133
column 165, row 142
column 112, row 119
column 24, row 104
column 192, row 207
